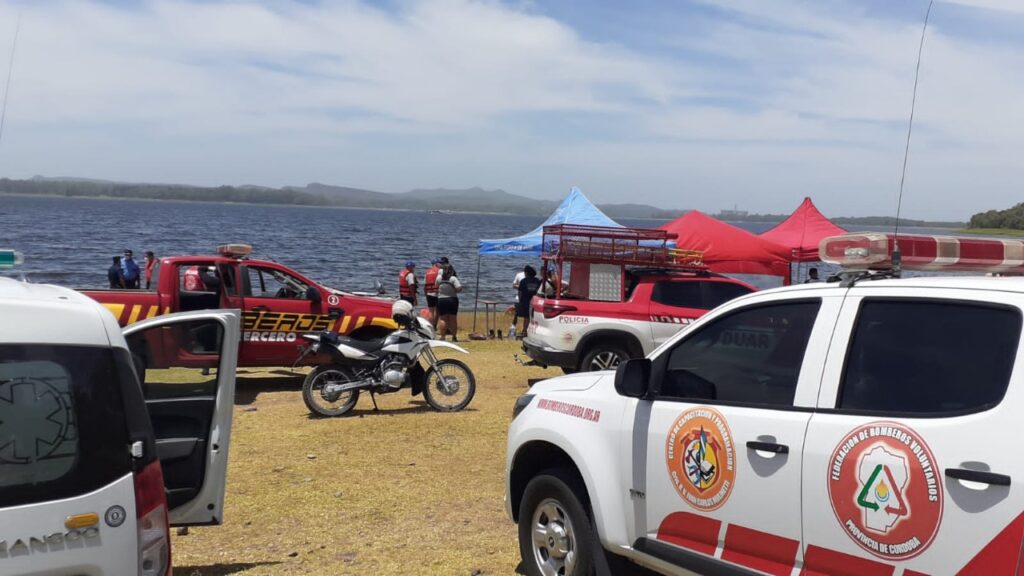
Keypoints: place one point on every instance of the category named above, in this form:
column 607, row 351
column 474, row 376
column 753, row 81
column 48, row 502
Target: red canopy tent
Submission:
column 802, row 232
column 729, row 249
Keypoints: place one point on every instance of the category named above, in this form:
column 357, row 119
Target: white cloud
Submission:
column 799, row 98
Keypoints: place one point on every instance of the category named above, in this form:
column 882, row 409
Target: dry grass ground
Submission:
column 402, row 491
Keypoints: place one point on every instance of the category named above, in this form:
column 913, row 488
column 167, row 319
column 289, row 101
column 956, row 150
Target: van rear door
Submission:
column 190, row 395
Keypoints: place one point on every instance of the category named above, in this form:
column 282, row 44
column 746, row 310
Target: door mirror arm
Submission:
column 313, row 295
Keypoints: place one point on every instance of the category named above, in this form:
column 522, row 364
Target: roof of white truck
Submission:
column 47, row 314
column 966, row 282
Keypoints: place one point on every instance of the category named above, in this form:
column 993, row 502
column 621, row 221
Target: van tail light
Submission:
column 151, row 511
column 553, row 309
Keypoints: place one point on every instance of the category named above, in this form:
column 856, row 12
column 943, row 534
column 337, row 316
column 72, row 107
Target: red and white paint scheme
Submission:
column 863, row 427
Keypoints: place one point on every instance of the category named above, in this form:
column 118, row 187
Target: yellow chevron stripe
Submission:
column 384, row 322
column 153, row 312
column 359, row 322
column 115, row 309
column 344, row 323
column 167, row 309
column 134, row 316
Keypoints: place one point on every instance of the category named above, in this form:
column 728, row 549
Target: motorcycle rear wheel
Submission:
column 321, row 404
column 452, row 389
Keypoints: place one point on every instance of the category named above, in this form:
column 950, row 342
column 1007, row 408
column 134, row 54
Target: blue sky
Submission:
column 700, row 104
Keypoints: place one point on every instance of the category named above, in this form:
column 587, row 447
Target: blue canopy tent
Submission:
column 575, row 209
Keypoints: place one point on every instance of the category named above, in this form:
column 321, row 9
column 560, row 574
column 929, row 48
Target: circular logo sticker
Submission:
column 701, row 458
column 885, row 490
column 333, row 300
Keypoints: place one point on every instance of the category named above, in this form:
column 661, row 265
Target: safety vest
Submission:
column 404, row 289
column 430, row 280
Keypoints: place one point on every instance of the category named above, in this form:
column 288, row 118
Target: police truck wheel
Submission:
column 555, row 534
column 603, row 357
column 317, row 396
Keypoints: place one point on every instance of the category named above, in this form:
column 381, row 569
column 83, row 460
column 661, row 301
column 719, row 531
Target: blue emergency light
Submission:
column 10, row 258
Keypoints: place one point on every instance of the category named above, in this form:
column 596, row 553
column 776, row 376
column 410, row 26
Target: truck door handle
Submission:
column 768, row 447
column 335, row 313
column 978, row 476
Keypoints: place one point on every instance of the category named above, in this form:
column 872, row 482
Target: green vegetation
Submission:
column 1009, row 219
column 991, row 232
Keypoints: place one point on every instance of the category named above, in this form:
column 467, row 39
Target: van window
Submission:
column 929, row 357
column 752, row 356
column 62, row 422
column 685, row 294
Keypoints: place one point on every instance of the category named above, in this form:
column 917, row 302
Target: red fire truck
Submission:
column 278, row 305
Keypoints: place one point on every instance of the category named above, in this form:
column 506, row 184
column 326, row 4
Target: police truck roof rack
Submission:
column 645, row 247
column 873, row 255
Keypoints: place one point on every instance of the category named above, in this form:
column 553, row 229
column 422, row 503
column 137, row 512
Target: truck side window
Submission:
column 752, row 356
column 270, row 283
column 681, row 294
column 718, row 293
column 929, row 357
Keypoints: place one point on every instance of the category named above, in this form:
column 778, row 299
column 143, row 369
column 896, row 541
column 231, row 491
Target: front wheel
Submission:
column 317, row 394
column 555, row 535
column 450, row 387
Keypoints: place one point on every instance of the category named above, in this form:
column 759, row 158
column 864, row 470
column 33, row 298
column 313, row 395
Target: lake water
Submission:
column 69, row 241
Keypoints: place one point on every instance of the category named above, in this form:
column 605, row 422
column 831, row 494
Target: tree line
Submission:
column 1011, row 218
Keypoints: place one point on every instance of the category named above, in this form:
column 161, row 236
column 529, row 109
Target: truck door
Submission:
column 277, row 311
column 909, row 465
column 726, row 434
column 674, row 304
column 190, row 409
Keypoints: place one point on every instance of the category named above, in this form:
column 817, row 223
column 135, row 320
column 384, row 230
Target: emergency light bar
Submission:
column 10, row 258
column 873, row 251
column 234, row 250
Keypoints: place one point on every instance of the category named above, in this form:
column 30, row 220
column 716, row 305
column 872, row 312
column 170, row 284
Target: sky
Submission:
column 680, row 104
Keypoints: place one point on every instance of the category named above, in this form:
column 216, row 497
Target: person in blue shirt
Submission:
column 130, row 269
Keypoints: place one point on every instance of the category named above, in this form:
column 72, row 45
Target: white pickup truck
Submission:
column 859, row 427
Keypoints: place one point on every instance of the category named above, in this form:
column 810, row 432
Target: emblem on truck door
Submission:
column 885, row 490
column 701, row 458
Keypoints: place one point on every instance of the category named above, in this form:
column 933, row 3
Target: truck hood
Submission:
column 571, row 382
column 367, row 295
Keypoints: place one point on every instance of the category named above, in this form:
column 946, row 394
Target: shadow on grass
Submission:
column 362, row 411
column 219, row 569
column 247, row 389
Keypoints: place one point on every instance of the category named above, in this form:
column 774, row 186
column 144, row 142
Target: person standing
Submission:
column 812, row 276
column 430, row 289
column 407, row 286
column 448, row 288
column 528, row 288
column 130, row 269
column 114, row 274
column 150, row 259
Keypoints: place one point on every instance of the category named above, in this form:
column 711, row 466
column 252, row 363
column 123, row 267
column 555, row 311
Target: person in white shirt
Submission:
column 448, row 288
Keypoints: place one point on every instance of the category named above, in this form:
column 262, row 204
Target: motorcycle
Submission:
column 385, row 366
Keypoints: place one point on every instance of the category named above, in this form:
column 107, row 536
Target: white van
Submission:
column 94, row 466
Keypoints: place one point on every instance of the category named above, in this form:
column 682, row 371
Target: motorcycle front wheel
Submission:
column 318, row 397
column 450, row 387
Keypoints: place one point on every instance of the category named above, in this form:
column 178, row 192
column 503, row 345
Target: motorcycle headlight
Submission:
column 521, row 403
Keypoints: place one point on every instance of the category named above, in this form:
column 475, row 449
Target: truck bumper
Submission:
column 546, row 357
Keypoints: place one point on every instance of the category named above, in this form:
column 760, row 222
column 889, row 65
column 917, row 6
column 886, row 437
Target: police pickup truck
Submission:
column 858, row 427
column 94, row 466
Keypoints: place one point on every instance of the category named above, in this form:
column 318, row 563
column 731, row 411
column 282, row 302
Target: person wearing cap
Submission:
column 430, row 288
column 407, row 286
column 130, row 269
column 115, row 277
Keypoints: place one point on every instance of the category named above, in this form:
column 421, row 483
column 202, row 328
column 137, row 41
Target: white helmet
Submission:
column 401, row 312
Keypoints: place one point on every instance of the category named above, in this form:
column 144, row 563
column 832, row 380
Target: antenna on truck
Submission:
column 10, row 68
column 896, row 256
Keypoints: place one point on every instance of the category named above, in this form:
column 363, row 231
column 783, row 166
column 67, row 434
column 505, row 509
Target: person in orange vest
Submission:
column 407, row 286
column 430, row 289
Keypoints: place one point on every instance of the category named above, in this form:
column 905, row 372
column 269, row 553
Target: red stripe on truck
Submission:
column 1001, row 555
column 822, row 562
column 698, row 533
column 760, row 550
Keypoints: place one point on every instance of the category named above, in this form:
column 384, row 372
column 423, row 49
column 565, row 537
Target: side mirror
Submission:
column 632, row 378
column 313, row 295
column 379, row 287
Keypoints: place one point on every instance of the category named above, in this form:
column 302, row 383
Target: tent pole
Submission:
column 476, row 297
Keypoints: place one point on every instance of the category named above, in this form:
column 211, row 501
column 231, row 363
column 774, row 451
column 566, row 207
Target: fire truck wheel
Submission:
column 602, row 356
column 555, row 533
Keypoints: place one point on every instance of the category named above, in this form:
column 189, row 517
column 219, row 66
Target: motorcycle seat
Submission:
column 363, row 345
